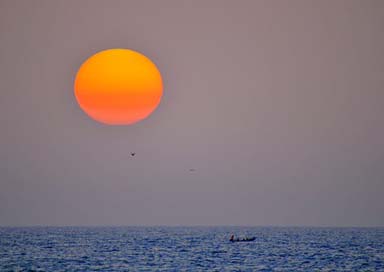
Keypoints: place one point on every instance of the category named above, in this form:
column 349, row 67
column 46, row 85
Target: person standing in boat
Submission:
column 232, row 238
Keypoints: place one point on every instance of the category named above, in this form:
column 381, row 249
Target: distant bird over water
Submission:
column 133, row 154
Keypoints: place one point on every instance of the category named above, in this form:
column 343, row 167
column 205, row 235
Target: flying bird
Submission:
column 133, row 154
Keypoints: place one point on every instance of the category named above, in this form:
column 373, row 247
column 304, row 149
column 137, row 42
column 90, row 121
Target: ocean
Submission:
column 191, row 249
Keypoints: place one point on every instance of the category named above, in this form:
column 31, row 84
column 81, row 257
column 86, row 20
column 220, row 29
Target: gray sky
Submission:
column 278, row 105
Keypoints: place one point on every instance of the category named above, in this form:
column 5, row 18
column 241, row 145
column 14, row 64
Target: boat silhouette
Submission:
column 247, row 239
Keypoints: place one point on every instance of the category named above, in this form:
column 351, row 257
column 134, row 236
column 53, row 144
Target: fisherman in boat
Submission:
column 246, row 239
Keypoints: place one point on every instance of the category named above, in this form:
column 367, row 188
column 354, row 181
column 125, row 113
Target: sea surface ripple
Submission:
column 190, row 249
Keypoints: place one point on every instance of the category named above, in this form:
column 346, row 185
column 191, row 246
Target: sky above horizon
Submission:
column 277, row 105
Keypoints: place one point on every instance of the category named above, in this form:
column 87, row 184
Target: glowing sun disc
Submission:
column 118, row 87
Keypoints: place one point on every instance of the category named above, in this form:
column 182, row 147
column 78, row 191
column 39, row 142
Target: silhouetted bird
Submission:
column 133, row 154
column 192, row 170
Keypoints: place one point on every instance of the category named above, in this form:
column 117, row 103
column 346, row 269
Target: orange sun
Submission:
column 118, row 87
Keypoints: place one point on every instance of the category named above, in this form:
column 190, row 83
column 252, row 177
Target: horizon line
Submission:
column 190, row 226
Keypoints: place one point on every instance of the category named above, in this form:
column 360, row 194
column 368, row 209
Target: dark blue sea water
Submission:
column 190, row 249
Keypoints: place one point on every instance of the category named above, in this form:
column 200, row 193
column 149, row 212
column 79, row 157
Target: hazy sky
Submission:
column 278, row 105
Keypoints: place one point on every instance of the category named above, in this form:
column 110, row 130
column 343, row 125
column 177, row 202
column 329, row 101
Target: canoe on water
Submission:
column 250, row 239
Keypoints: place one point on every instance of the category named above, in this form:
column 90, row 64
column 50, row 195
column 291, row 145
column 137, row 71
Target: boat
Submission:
column 247, row 239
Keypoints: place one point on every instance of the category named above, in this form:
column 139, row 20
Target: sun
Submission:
column 118, row 87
